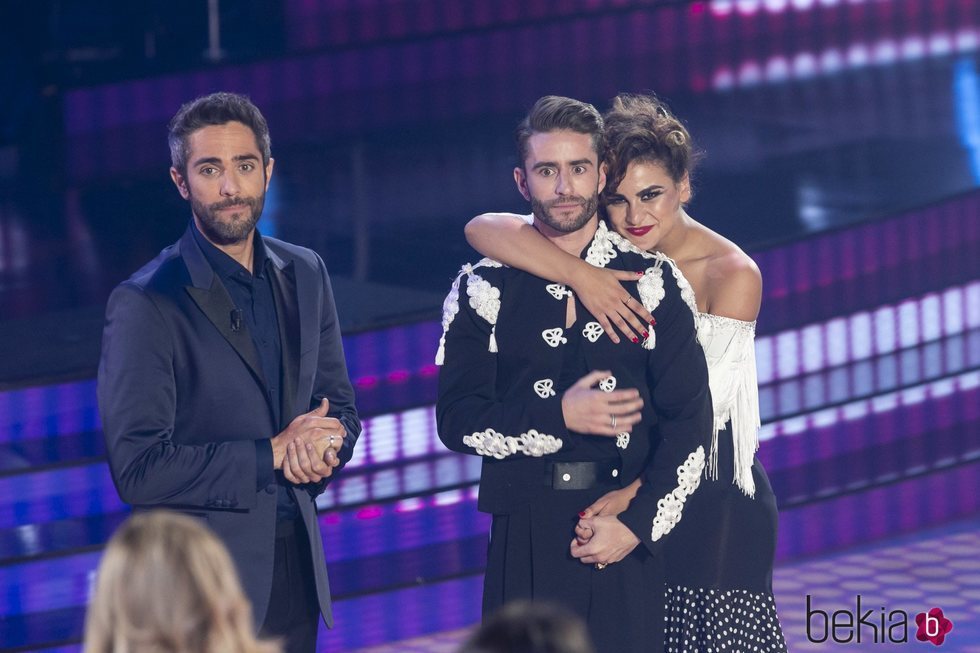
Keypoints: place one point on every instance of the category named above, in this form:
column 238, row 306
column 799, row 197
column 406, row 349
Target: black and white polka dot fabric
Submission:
column 721, row 621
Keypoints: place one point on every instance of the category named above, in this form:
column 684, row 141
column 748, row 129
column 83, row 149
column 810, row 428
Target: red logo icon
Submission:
column 933, row 626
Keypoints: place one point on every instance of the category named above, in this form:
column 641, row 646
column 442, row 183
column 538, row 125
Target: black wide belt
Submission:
column 582, row 476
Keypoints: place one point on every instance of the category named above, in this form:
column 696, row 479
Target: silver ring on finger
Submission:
column 612, row 421
column 628, row 300
column 601, row 565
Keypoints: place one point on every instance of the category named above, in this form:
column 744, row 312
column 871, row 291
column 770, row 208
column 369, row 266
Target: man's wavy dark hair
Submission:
column 554, row 113
column 215, row 109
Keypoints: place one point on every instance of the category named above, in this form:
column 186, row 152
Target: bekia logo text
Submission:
column 874, row 626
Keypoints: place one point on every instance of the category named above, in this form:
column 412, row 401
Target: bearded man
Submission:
column 223, row 388
column 563, row 416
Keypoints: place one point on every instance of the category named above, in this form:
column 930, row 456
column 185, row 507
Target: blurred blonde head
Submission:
column 166, row 584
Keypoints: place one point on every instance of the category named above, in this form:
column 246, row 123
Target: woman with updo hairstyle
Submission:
column 640, row 128
column 719, row 556
column 166, row 584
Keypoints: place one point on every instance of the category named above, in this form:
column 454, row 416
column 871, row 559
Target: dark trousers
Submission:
column 293, row 613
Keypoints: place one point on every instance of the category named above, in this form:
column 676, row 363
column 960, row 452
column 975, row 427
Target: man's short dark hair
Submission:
column 554, row 113
column 215, row 109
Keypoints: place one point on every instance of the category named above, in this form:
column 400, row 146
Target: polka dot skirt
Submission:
column 721, row 621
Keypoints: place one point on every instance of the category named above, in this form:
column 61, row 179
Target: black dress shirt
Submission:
column 252, row 294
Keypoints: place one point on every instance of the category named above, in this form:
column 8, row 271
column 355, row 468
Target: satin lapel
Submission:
column 217, row 305
column 287, row 309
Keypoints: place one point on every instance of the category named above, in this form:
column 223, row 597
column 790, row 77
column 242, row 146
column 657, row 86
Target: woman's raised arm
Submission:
column 510, row 239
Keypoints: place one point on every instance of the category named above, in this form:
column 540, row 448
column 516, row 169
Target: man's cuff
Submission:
column 265, row 474
column 638, row 517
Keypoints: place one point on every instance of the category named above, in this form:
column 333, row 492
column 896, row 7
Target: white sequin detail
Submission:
column 671, row 506
column 593, row 331
column 545, row 388
column 608, row 384
column 622, row 440
column 496, row 445
column 554, row 337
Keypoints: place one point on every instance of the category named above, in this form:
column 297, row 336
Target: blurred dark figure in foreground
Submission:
column 525, row 627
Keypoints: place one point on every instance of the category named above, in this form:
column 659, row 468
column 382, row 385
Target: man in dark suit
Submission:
column 212, row 355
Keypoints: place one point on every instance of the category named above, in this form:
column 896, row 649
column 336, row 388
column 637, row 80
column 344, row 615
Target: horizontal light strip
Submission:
column 858, row 409
column 859, row 379
column 807, row 65
column 750, row 7
column 406, row 479
column 860, row 336
column 426, row 520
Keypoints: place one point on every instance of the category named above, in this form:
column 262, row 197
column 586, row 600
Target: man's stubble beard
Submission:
column 542, row 211
column 233, row 230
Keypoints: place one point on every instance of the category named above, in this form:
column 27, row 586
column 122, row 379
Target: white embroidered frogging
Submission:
column 499, row 446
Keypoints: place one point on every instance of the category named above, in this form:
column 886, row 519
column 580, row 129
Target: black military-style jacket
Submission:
column 507, row 358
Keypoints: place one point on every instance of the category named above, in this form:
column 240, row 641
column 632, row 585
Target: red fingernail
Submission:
column 645, row 334
column 639, row 273
column 653, row 321
column 635, row 339
column 582, row 514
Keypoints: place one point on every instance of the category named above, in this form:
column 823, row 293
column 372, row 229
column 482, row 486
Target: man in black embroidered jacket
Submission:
column 521, row 359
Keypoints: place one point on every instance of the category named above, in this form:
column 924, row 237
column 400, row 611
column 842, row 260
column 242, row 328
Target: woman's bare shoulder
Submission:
column 733, row 281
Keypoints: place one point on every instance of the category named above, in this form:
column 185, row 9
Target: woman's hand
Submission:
column 609, row 504
column 602, row 294
column 610, row 541
column 612, row 503
column 598, row 412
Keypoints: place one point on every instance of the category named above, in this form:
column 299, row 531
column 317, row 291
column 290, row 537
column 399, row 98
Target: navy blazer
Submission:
column 183, row 399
